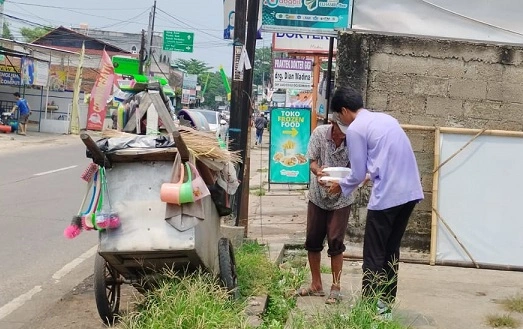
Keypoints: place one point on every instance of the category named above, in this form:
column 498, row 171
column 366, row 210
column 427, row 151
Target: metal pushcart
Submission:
column 146, row 243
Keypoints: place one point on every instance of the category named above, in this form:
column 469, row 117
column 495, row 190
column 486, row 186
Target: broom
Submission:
column 200, row 143
column 75, row 228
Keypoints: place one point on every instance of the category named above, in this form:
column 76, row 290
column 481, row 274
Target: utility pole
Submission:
column 329, row 77
column 142, row 53
column 250, row 45
column 2, row 21
column 152, row 17
column 236, row 125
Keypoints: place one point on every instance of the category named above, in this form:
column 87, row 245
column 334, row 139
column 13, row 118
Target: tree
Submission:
column 213, row 85
column 192, row 66
column 6, row 32
column 31, row 34
column 262, row 66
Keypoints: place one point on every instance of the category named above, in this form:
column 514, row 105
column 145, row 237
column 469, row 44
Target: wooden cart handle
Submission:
column 98, row 156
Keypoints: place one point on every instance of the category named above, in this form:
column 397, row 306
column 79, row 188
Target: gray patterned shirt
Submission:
column 323, row 150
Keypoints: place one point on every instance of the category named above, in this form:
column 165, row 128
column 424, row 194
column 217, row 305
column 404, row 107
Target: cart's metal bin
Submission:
column 145, row 242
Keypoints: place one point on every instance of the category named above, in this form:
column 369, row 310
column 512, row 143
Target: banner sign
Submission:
column 298, row 99
column 34, row 73
column 302, row 43
column 100, row 94
column 41, row 73
column 317, row 16
column 228, row 19
column 291, row 73
column 190, row 81
column 289, row 138
column 9, row 76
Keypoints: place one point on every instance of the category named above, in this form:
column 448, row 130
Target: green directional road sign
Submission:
column 178, row 41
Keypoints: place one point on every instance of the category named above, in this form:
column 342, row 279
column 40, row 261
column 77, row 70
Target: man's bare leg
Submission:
column 314, row 263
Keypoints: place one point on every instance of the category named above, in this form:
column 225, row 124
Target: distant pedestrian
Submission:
column 327, row 215
column 23, row 113
column 379, row 146
column 260, row 123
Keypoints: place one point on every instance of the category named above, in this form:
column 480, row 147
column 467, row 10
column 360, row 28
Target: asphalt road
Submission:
column 40, row 191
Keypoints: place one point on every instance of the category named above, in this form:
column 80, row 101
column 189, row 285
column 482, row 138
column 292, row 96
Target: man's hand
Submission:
column 365, row 181
column 319, row 174
column 334, row 189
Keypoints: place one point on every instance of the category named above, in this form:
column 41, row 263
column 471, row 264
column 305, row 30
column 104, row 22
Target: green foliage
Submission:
column 325, row 269
column 31, row 34
column 502, row 321
column 6, row 32
column 213, row 85
column 513, row 304
column 281, row 295
column 192, row 66
column 262, row 66
column 194, row 301
column 254, row 269
column 259, row 192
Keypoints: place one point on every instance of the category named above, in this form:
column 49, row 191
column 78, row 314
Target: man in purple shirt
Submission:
column 378, row 146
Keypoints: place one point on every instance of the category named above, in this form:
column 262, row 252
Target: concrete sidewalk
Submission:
column 428, row 296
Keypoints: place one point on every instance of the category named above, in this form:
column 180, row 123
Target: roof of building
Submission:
column 67, row 39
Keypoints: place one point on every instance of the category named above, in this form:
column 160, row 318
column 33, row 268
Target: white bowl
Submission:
column 338, row 172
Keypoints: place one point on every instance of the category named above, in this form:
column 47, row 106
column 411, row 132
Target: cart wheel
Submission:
column 106, row 290
column 228, row 267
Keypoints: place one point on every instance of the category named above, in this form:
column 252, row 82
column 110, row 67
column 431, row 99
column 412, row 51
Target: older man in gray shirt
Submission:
column 327, row 215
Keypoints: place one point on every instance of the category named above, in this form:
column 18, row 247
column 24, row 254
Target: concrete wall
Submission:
column 431, row 82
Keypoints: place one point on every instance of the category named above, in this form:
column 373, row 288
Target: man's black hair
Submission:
column 346, row 97
column 16, row 94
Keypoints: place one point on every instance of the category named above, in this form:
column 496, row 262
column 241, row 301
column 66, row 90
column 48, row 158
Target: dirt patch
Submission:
column 77, row 309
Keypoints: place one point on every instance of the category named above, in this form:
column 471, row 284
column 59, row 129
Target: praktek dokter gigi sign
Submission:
column 292, row 74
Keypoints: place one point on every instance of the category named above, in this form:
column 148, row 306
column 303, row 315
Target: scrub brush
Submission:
column 75, row 228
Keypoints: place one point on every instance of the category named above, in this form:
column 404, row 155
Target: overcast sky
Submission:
column 203, row 17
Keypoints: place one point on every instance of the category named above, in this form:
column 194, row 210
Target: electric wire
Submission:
column 77, row 8
column 470, row 18
column 188, row 25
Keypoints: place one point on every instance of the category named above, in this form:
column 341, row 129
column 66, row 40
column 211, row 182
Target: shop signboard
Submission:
column 290, row 131
column 301, row 43
column 9, row 76
column 190, row 81
column 317, row 16
column 289, row 73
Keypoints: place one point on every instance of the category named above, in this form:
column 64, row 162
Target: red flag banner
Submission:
column 100, row 94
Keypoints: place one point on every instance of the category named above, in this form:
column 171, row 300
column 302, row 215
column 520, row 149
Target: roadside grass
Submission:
column 513, row 304
column 192, row 301
column 258, row 275
column 259, row 191
column 254, row 269
column 362, row 314
column 325, row 269
column 502, row 321
column 197, row 301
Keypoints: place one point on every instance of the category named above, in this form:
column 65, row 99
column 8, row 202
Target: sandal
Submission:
column 334, row 297
column 303, row 292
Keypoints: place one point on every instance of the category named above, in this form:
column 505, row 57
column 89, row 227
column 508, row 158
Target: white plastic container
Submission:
column 338, row 172
column 335, row 174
